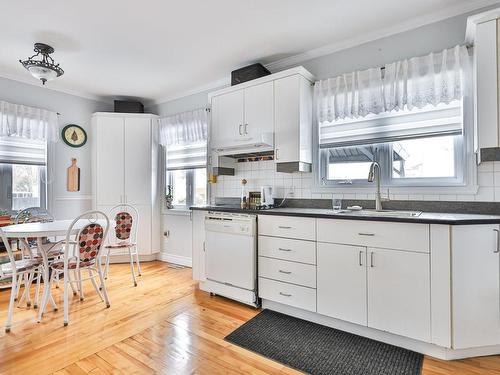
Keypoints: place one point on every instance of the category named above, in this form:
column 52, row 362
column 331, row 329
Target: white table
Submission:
column 57, row 228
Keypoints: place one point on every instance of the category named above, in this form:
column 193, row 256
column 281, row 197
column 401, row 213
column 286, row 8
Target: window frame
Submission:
column 190, row 181
column 466, row 167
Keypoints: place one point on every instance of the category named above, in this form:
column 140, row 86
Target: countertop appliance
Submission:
column 231, row 256
column 266, row 196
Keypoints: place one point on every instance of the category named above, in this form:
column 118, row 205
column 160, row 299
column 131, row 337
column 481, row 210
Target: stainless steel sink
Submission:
column 382, row 213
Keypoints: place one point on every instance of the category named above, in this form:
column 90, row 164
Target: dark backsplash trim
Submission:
column 455, row 207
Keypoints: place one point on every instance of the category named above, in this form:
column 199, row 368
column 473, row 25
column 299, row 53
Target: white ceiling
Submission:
column 157, row 49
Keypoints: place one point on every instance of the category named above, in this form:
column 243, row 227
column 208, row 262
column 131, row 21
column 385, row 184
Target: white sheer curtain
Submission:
column 28, row 122
column 416, row 82
column 184, row 128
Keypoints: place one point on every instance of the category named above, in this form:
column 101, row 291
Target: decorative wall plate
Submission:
column 74, row 135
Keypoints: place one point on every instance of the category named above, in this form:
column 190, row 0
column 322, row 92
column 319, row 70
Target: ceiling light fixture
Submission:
column 44, row 68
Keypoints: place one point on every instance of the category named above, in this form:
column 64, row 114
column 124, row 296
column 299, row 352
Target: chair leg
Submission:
column 53, row 278
column 96, row 287
column 19, row 282
column 37, row 289
column 104, row 290
column 66, row 282
column 71, row 283
column 132, row 265
column 137, row 260
column 12, row 301
column 28, row 278
column 107, row 264
column 80, row 284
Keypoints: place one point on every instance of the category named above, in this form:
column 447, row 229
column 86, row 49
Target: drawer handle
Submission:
column 285, row 272
column 366, row 234
column 285, row 294
column 497, row 250
column 281, row 249
column 283, row 227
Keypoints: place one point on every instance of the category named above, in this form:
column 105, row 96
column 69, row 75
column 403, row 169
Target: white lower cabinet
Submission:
column 475, row 286
column 399, row 293
column 342, row 282
column 288, row 294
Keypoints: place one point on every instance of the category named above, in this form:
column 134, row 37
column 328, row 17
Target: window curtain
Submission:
column 417, row 82
column 30, row 123
column 184, row 136
column 184, row 128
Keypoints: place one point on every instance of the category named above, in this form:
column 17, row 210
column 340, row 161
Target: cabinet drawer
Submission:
column 287, row 249
column 402, row 236
column 288, row 294
column 303, row 228
column 290, row 272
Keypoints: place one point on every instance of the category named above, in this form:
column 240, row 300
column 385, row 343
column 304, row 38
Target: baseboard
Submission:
column 175, row 259
column 389, row 338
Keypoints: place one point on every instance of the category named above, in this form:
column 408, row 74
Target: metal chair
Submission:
column 126, row 223
column 30, row 251
column 16, row 270
column 84, row 254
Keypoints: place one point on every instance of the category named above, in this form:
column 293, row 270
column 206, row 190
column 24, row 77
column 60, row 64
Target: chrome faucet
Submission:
column 373, row 175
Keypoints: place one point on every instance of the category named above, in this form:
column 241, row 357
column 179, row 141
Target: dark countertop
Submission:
column 424, row 218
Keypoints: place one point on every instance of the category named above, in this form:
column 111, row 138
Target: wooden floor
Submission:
column 165, row 325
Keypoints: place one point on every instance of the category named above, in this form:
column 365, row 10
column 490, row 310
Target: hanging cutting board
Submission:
column 73, row 177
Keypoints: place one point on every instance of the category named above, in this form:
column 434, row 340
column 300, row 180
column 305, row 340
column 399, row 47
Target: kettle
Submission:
column 266, row 196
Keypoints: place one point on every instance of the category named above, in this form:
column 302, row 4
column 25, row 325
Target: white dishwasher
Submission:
column 231, row 256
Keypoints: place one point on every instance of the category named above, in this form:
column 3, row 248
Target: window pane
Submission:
column 424, row 158
column 178, row 181
column 350, row 163
column 200, row 186
column 26, row 186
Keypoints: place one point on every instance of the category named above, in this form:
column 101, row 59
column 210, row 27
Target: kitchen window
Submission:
column 22, row 173
column 419, row 147
column 187, row 173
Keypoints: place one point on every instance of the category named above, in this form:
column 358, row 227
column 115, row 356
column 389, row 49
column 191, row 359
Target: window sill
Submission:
column 177, row 211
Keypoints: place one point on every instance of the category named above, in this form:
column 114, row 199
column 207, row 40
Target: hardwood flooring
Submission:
column 165, row 325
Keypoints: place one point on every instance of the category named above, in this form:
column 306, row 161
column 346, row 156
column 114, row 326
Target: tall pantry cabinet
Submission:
column 125, row 162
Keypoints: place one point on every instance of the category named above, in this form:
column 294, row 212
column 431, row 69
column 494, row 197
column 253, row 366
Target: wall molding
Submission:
column 175, row 259
column 371, row 36
column 328, row 49
column 75, row 198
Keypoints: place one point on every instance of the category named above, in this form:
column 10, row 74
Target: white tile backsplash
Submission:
column 302, row 185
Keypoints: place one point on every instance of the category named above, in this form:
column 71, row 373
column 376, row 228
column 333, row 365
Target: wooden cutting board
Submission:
column 73, row 177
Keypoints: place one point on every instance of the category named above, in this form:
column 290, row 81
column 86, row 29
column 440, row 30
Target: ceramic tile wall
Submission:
column 302, row 185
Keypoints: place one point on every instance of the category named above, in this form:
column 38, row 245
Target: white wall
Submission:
column 420, row 41
column 74, row 110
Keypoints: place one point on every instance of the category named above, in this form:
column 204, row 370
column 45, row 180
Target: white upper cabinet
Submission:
column 293, row 120
column 483, row 32
column 110, row 176
column 242, row 115
column 125, row 168
column 227, row 119
column 252, row 116
column 475, row 282
column 259, row 110
column 137, row 161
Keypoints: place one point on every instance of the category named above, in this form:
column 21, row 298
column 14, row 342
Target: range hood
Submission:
column 264, row 143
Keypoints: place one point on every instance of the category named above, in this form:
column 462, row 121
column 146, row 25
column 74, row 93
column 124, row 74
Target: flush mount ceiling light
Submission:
column 44, row 68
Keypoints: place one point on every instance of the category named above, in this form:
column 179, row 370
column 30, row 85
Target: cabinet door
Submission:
column 178, row 239
column 287, row 122
column 227, row 119
column 259, row 110
column 341, row 284
column 399, row 292
column 109, row 164
column 475, row 283
column 198, row 228
column 137, row 160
